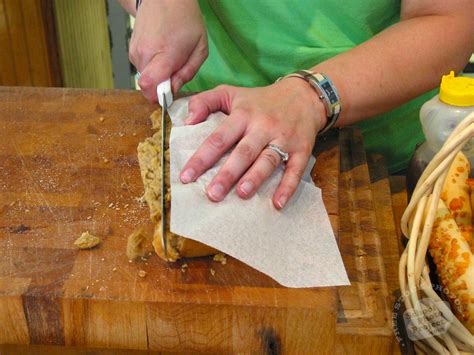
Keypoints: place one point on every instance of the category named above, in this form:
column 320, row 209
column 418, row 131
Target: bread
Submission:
column 451, row 241
column 455, row 195
column 454, row 264
column 149, row 155
column 470, row 182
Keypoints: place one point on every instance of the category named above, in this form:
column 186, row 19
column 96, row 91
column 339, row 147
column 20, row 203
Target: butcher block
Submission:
column 68, row 164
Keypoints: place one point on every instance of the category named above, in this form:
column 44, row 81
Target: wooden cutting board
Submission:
column 370, row 251
column 68, row 164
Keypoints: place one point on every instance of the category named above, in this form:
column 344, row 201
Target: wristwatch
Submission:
column 326, row 91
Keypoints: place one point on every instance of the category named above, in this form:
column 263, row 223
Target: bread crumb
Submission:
column 103, row 259
column 142, row 273
column 89, row 217
column 114, row 269
column 360, row 252
column 213, row 272
column 141, row 200
column 87, row 241
column 106, row 160
column 220, row 258
column 184, row 267
column 101, row 119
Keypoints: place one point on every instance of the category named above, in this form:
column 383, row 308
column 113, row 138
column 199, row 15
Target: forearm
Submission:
column 129, row 6
column 398, row 64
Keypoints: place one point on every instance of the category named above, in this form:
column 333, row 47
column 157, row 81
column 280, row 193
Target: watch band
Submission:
column 327, row 93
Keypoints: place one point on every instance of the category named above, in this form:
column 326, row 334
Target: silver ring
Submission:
column 284, row 156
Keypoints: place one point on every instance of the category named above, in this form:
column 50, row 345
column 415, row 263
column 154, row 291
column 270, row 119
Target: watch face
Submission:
column 330, row 92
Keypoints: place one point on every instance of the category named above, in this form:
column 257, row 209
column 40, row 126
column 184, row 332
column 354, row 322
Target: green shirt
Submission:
column 253, row 42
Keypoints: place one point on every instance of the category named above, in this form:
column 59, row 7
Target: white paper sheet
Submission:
column 295, row 246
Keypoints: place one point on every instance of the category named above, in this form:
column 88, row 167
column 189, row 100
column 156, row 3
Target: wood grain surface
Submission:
column 370, row 252
column 84, row 43
column 68, row 164
column 28, row 54
column 64, row 170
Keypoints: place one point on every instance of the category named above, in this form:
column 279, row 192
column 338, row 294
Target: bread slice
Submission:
column 451, row 241
column 149, row 155
column 455, row 195
column 454, row 264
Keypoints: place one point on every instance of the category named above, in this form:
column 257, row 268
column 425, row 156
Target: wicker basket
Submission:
column 415, row 283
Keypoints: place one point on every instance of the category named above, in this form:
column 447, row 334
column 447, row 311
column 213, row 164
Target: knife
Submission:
column 165, row 98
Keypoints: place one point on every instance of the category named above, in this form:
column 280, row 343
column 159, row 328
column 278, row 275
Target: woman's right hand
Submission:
column 169, row 40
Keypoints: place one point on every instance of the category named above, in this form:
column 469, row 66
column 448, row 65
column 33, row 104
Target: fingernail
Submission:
column 190, row 117
column 246, row 187
column 282, row 201
column 188, row 175
column 216, row 192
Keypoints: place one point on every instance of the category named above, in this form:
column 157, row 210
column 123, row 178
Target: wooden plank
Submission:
column 27, row 38
column 36, row 43
column 7, row 74
column 14, row 329
column 105, row 324
column 51, row 42
column 65, row 170
column 382, row 197
column 84, row 43
column 17, row 30
column 366, row 226
column 44, row 319
column 70, row 350
column 369, row 344
column 231, row 329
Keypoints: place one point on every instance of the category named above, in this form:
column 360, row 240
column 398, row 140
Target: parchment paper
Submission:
column 294, row 246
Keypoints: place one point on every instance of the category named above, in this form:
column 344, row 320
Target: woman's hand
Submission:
column 287, row 114
column 169, row 41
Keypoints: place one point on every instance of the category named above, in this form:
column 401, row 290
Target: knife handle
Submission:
column 164, row 89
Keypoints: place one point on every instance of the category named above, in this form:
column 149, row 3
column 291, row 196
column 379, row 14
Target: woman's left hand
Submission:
column 287, row 114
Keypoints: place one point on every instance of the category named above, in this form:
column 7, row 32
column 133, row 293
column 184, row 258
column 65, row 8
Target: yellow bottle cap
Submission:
column 457, row 91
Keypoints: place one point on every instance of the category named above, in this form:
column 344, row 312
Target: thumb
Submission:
column 203, row 104
column 158, row 69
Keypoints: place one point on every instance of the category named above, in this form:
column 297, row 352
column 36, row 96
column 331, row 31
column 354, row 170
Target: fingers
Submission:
column 169, row 63
column 189, row 70
column 238, row 162
column 261, row 170
column 219, row 142
column 291, row 178
column 155, row 72
column 202, row 105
